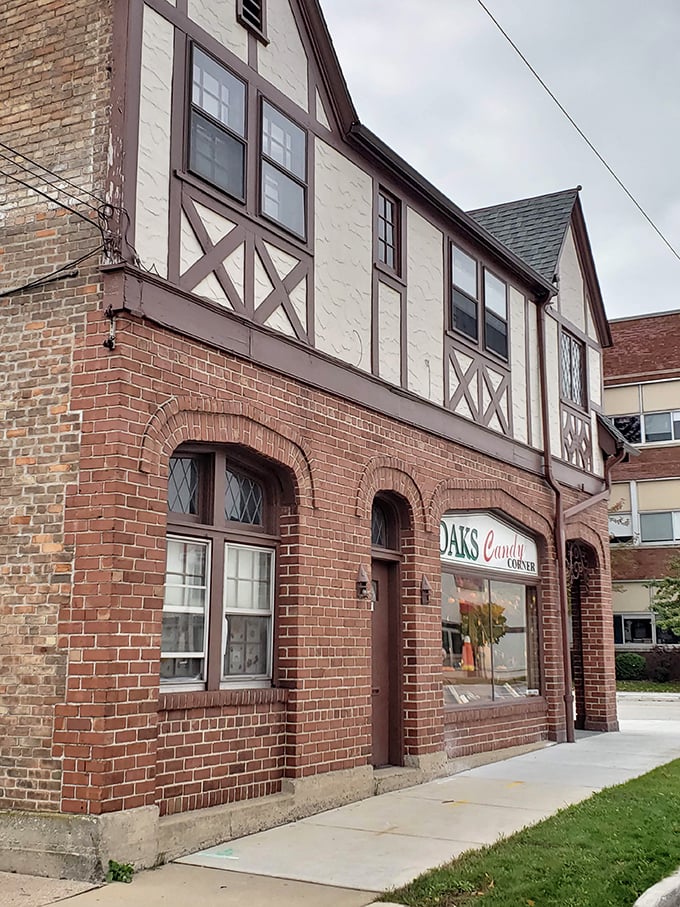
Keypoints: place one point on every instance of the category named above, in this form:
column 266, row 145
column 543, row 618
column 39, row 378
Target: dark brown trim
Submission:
column 585, row 254
column 260, row 34
column 133, row 81
column 527, row 372
column 178, row 143
column 571, row 328
column 152, row 298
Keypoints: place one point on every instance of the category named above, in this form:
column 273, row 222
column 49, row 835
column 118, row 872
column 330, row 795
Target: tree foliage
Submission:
column 666, row 601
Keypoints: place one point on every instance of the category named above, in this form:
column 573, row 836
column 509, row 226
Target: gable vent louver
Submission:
column 252, row 13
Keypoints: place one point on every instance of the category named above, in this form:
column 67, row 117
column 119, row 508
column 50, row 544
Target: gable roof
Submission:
column 534, row 228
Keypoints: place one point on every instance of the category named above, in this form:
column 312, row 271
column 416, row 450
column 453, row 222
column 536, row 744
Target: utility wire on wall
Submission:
column 585, row 138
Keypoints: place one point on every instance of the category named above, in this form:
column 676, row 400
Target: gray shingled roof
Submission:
column 532, row 228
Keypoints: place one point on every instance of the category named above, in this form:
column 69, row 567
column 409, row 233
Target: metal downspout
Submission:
column 560, row 535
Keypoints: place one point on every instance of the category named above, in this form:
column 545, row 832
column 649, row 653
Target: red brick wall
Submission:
column 643, row 347
column 53, row 91
column 128, row 753
column 469, row 730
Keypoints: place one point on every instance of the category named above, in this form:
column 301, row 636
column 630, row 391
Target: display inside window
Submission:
column 248, row 611
column 489, row 640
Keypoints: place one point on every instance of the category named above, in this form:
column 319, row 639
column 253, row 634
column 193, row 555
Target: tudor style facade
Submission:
column 308, row 459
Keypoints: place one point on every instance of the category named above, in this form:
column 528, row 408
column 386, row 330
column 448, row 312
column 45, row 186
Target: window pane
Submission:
column 183, row 632
column 220, row 94
column 247, row 646
column 464, row 272
column 283, row 141
column 181, row 669
column 283, row 199
column 656, row 527
column 184, row 610
column 577, row 373
column 508, row 615
column 378, row 527
column 658, row 427
column 495, row 295
column 629, row 426
column 676, row 426
column 248, row 585
column 217, row 156
column 465, row 314
column 637, row 630
column 496, row 335
column 243, row 499
column 620, row 527
column 618, row 630
column 183, row 485
column 466, row 640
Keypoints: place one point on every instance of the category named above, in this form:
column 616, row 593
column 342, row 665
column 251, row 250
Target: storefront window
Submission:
column 489, row 640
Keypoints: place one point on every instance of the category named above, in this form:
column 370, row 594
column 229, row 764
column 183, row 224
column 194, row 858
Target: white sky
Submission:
column 438, row 82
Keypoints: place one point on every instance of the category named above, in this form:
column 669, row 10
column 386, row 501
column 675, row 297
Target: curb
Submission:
column 665, row 893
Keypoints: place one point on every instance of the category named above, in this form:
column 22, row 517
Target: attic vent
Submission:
column 251, row 14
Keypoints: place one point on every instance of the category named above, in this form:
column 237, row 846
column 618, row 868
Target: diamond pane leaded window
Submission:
column 571, row 369
column 378, row 527
column 183, row 485
column 243, row 499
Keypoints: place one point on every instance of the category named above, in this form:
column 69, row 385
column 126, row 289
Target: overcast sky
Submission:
column 438, row 82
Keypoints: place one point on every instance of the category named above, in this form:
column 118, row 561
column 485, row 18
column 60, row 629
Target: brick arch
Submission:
column 389, row 474
column 182, row 419
column 466, row 494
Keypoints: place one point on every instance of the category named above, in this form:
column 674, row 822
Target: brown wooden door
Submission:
column 381, row 657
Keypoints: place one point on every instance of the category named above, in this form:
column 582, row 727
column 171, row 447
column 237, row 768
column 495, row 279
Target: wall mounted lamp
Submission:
column 425, row 591
column 363, row 583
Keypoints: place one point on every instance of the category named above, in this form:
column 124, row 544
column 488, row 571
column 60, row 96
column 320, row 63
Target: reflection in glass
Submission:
column 489, row 640
column 184, row 609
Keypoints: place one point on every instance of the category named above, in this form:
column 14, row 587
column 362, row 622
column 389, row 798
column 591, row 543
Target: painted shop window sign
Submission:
column 471, row 296
column 481, row 540
column 389, row 229
column 283, row 170
column 218, row 609
column 572, row 370
column 490, row 648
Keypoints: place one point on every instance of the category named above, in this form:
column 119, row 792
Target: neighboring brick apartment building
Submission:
column 265, row 409
column 642, row 396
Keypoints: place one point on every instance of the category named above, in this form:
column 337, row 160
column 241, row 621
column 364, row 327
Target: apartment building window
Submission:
column 217, row 129
column 572, row 370
column 470, row 297
column 649, row 428
column 389, row 230
column 620, row 527
column 284, row 170
column 641, row 630
column 218, row 609
column 661, row 526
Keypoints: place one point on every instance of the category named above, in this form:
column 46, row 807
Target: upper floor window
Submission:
column 470, row 297
column 649, row 428
column 252, row 14
column 389, row 229
column 284, row 170
column 662, row 526
column 217, row 147
column 218, row 609
column 572, row 370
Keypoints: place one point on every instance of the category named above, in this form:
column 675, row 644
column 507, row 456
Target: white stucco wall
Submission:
column 595, row 375
column 534, row 381
column 389, row 328
column 153, row 149
column 218, row 18
column 552, row 362
column 283, row 61
column 572, row 302
column 425, row 321
column 343, row 257
column 518, row 366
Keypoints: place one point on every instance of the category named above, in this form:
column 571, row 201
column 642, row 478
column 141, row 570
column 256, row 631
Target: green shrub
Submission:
column 119, row 872
column 630, row 666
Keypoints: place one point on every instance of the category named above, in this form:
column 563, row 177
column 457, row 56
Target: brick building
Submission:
column 642, row 396
column 299, row 459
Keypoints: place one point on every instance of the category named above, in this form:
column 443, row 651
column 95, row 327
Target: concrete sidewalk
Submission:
column 373, row 845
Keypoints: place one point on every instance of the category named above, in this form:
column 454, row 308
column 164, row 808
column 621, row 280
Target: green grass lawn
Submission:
column 647, row 686
column 603, row 852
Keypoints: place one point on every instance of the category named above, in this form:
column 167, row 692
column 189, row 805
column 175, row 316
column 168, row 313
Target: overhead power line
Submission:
column 585, row 138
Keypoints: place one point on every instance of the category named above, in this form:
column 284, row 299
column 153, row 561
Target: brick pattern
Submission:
column 53, row 91
column 473, row 729
column 643, row 347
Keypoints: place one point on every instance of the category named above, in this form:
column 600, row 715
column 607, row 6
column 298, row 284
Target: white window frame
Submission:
column 675, row 521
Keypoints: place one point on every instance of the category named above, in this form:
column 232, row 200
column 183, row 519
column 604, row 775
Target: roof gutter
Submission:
column 559, row 526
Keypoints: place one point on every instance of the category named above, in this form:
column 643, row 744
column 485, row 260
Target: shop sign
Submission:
column 481, row 540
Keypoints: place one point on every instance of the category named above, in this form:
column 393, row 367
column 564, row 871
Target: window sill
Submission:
column 528, row 705
column 209, row 699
